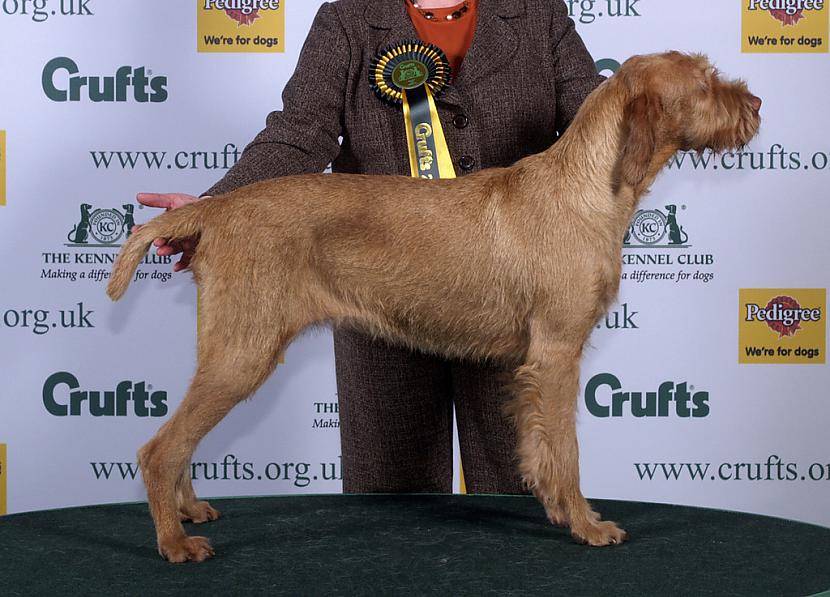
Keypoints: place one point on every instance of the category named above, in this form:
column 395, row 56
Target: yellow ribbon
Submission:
column 429, row 156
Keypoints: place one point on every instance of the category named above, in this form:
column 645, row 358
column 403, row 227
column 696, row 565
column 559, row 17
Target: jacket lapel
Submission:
column 494, row 42
column 391, row 16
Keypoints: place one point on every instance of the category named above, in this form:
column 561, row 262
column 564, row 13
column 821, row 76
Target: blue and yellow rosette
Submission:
column 411, row 73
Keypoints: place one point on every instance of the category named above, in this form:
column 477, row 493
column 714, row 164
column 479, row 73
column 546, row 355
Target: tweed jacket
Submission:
column 519, row 86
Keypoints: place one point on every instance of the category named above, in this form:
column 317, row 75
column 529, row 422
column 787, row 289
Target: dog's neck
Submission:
column 591, row 147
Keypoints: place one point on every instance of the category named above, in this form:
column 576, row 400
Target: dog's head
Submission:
column 680, row 101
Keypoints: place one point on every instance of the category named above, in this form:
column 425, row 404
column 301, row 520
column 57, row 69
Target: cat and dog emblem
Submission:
column 104, row 225
column 650, row 226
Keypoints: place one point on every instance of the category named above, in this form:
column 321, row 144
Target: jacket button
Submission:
column 466, row 162
column 460, row 121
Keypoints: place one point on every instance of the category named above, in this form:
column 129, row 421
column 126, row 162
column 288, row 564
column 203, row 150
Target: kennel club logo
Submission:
column 101, row 227
column 782, row 325
column 90, row 245
column 240, row 25
column 785, row 26
column 658, row 248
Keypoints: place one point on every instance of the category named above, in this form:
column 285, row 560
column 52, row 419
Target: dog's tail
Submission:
column 177, row 224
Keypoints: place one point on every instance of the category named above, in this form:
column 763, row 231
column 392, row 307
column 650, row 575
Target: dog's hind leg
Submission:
column 545, row 414
column 233, row 362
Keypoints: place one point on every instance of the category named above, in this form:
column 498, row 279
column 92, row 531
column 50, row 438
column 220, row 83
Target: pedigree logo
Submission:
column 62, row 82
column 63, row 396
column 785, row 26
column 782, row 325
column 240, row 25
column 605, row 397
column 2, row 168
column 3, row 483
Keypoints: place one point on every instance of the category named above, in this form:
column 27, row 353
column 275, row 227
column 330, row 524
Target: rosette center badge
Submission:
column 409, row 74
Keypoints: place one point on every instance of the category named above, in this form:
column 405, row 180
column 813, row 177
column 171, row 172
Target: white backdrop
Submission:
column 759, row 439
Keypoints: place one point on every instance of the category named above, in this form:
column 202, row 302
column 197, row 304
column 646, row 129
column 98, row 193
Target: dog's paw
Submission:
column 198, row 512
column 599, row 533
column 194, row 549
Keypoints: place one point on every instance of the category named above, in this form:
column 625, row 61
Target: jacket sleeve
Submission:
column 303, row 136
column 575, row 72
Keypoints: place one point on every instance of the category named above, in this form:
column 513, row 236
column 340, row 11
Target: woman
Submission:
column 520, row 72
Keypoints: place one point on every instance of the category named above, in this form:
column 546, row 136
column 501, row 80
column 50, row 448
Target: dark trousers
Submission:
column 396, row 420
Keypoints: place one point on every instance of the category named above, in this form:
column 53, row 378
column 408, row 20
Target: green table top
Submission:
column 413, row 545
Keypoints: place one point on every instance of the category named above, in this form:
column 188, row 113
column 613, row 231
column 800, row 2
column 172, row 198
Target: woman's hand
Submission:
column 185, row 246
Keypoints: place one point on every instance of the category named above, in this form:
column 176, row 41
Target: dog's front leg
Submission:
column 545, row 414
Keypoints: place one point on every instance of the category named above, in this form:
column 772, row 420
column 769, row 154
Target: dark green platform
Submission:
column 412, row 545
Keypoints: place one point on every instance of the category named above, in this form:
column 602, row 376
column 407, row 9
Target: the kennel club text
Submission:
column 667, row 259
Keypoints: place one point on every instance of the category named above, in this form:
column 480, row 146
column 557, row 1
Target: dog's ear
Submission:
column 640, row 123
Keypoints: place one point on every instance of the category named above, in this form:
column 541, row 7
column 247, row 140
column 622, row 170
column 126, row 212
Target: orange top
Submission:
column 454, row 36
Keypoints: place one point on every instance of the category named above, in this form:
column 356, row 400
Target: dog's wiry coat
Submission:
column 514, row 265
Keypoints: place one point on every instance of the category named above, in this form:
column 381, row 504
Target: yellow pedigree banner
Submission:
column 2, row 167
column 240, row 25
column 4, row 473
column 785, row 26
column 782, row 325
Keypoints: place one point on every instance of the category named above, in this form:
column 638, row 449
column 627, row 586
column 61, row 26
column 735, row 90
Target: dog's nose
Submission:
column 756, row 103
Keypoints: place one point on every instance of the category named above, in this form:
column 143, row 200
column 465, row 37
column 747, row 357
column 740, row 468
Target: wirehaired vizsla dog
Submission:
column 511, row 264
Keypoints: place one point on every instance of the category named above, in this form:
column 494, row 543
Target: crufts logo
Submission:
column 114, row 88
column 63, row 397
column 3, row 480
column 782, row 325
column 240, row 25
column 2, row 167
column 785, row 26
column 604, row 398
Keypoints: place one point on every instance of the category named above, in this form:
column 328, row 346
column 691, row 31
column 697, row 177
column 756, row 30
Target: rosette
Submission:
column 410, row 74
